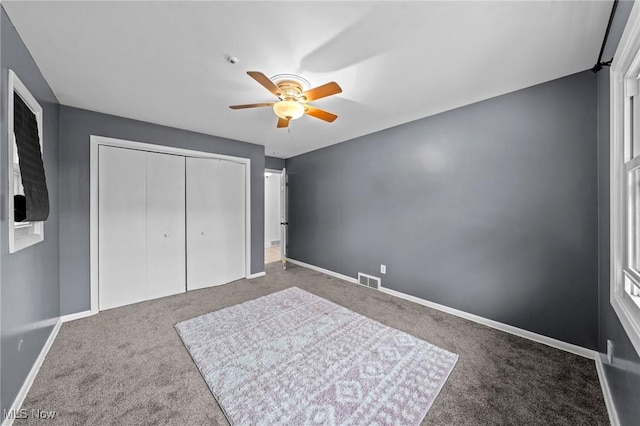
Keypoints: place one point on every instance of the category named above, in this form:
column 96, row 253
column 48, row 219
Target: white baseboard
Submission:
column 558, row 344
column 22, row 394
column 77, row 315
column 324, row 271
column 256, row 275
column 606, row 392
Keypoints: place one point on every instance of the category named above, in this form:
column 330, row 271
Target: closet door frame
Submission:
column 95, row 142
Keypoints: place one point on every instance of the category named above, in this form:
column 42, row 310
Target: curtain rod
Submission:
column 598, row 66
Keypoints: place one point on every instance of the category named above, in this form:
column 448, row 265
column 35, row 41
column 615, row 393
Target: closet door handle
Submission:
column 165, row 235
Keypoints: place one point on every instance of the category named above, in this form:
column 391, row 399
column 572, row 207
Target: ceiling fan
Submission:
column 292, row 104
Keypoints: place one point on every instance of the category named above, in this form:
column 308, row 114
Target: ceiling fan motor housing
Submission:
column 291, row 86
column 291, row 90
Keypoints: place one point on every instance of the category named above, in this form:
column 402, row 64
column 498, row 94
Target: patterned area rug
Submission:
column 294, row 358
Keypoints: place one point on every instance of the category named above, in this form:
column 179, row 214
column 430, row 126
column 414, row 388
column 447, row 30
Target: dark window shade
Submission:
column 25, row 129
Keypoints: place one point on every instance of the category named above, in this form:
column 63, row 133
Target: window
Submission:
column 23, row 233
column 631, row 214
column 625, row 180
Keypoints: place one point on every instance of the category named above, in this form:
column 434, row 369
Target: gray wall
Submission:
column 29, row 279
column 624, row 374
column 76, row 126
column 273, row 163
column 490, row 208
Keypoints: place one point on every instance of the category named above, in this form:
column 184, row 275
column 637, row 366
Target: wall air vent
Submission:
column 368, row 280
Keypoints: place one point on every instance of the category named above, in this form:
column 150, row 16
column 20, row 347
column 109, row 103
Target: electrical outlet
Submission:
column 383, row 269
column 610, row 351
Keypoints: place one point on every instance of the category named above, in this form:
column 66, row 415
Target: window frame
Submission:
column 21, row 234
column 625, row 70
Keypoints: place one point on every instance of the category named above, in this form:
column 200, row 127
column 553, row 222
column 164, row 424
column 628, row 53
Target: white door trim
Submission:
column 284, row 215
column 95, row 142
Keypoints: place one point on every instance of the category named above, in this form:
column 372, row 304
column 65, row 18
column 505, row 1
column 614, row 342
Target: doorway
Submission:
column 272, row 238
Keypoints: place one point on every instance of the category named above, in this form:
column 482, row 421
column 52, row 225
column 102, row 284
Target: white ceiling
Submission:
column 164, row 61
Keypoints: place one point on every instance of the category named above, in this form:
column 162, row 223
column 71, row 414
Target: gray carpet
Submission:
column 128, row 365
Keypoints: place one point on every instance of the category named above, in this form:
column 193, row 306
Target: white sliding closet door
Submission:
column 141, row 225
column 166, row 272
column 122, row 258
column 215, row 222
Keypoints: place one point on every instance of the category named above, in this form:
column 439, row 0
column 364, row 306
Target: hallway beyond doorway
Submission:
column 272, row 254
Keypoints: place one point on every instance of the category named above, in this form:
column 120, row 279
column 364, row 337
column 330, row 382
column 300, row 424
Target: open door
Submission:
column 284, row 217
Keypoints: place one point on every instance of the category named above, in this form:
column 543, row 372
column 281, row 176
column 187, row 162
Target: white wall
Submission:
column 271, row 209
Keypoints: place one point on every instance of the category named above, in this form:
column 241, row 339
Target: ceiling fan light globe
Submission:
column 288, row 110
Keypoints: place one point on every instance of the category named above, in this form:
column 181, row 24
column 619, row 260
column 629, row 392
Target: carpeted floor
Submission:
column 128, row 365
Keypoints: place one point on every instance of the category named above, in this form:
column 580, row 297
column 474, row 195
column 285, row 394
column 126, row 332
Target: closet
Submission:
column 166, row 224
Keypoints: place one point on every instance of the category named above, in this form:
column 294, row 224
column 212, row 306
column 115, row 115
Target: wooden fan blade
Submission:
column 264, row 80
column 251, row 105
column 282, row 122
column 325, row 90
column 319, row 113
